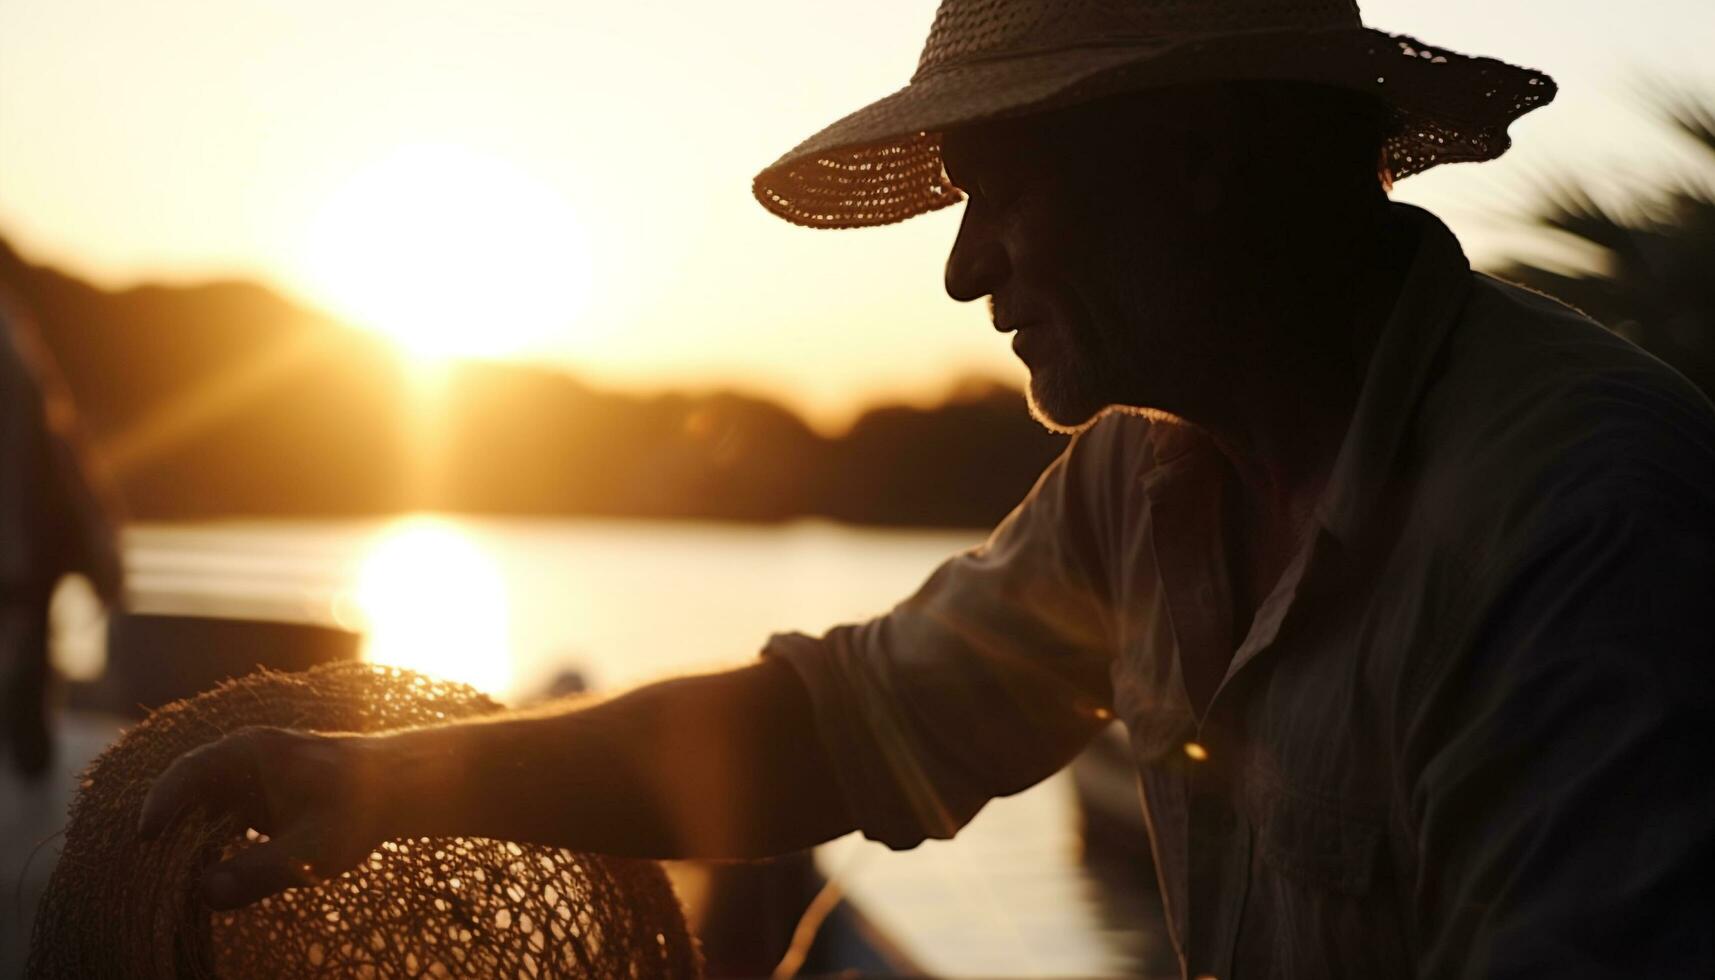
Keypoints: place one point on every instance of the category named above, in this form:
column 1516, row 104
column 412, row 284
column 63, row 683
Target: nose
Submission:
column 977, row 264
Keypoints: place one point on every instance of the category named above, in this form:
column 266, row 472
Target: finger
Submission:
column 220, row 775
column 257, row 872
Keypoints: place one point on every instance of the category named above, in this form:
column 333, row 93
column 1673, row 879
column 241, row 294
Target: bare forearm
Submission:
column 718, row 766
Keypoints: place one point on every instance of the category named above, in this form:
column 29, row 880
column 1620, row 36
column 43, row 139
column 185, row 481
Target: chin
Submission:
column 1066, row 408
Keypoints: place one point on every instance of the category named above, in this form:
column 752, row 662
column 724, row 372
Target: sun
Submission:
column 450, row 252
column 428, row 597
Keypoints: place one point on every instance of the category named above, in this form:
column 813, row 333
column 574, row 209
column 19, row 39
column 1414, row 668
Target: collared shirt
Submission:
column 1468, row 732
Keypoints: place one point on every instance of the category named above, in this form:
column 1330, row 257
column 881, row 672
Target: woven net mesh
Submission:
column 991, row 59
column 430, row 907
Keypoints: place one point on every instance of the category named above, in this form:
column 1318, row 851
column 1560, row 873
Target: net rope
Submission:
column 430, row 907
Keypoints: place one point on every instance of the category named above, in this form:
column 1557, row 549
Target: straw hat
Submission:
column 990, row 59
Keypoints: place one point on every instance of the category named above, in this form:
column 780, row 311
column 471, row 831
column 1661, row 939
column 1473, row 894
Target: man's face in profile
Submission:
column 1017, row 246
column 1086, row 229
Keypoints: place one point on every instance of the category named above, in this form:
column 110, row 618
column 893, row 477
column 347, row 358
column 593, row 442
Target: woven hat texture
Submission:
column 120, row 907
column 993, row 59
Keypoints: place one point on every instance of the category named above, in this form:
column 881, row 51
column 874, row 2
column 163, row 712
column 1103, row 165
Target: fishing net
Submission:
column 120, row 907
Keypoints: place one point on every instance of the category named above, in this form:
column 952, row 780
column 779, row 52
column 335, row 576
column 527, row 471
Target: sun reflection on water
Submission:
column 431, row 599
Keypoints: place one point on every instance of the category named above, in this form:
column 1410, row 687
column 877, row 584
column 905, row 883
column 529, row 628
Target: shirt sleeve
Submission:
column 987, row 680
column 1561, row 786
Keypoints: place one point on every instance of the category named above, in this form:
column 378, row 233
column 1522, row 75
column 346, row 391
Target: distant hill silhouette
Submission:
column 227, row 400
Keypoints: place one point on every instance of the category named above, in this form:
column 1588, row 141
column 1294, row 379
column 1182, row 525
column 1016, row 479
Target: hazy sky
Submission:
column 601, row 154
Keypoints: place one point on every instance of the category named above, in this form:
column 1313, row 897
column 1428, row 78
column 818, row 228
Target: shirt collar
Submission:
column 1400, row 370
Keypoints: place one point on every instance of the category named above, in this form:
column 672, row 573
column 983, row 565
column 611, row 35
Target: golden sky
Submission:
column 586, row 167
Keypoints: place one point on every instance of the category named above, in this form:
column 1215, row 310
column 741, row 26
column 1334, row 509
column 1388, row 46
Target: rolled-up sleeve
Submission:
column 988, row 679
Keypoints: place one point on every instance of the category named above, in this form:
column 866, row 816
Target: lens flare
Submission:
column 431, row 599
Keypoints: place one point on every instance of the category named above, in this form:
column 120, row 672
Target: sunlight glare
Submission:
column 432, row 600
column 451, row 252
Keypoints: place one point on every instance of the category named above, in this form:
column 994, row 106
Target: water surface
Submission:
column 507, row 605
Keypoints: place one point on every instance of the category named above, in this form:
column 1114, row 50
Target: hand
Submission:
column 313, row 795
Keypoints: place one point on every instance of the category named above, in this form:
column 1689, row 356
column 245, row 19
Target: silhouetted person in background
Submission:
column 1399, row 576
column 56, row 519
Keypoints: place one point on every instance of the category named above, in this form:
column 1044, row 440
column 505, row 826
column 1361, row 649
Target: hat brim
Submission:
column 882, row 163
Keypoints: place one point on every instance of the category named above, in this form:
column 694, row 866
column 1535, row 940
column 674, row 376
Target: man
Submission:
column 56, row 519
column 1394, row 573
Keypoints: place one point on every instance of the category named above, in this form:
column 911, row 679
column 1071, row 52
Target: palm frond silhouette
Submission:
column 1656, row 282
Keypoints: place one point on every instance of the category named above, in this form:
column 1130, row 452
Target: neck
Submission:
column 1283, row 401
